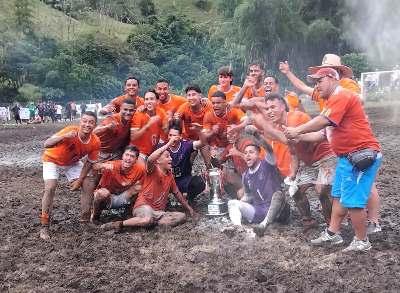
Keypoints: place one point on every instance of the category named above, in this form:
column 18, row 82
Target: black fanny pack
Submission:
column 362, row 159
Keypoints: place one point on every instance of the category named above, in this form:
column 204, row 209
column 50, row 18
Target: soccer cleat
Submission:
column 326, row 238
column 358, row 245
column 373, row 228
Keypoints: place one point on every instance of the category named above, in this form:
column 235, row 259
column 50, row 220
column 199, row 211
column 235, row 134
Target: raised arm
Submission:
column 296, row 82
column 156, row 154
column 136, row 133
column 56, row 139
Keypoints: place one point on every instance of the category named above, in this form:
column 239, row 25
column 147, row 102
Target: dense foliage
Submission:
column 167, row 44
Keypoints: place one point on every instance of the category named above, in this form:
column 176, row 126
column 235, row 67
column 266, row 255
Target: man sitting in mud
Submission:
column 62, row 154
column 120, row 182
column 152, row 201
column 263, row 200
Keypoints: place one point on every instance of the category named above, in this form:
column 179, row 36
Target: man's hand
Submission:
column 191, row 212
column 71, row 134
column 177, row 116
column 215, row 129
column 196, row 127
column 291, row 132
column 234, row 152
column 76, row 185
column 284, row 67
column 112, row 125
column 141, row 108
column 250, row 82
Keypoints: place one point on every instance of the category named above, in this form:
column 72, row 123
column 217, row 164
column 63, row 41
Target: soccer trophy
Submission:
column 217, row 206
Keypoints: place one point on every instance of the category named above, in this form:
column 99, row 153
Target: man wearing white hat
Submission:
column 359, row 156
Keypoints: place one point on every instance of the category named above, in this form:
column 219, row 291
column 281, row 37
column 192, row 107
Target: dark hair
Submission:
column 274, row 77
column 133, row 149
column 193, row 87
column 257, row 63
column 276, row 96
column 225, row 71
column 175, row 124
column 151, row 91
column 162, row 80
column 219, row 94
column 90, row 113
column 253, row 144
column 128, row 101
column 132, row 77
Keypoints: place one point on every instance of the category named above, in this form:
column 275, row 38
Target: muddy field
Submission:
column 195, row 257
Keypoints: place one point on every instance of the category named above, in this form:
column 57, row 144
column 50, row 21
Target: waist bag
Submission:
column 362, row 159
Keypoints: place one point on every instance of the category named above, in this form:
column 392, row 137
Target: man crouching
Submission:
column 120, row 182
column 263, row 201
column 150, row 205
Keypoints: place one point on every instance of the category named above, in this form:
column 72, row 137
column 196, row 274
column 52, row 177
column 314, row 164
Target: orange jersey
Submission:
column 114, row 139
column 210, row 119
column 282, row 155
column 173, row 104
column 156, row 188
column 148, row 141
column 293, row 102
column 188, row 117
column 308, row 152
column 346, row 83
column 71, row 150
column 230, row 95
column 249, row 93
column 117, row 102
column 351, row 131
column 116, row 182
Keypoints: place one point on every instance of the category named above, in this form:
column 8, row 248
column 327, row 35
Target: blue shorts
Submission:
column 352, row 186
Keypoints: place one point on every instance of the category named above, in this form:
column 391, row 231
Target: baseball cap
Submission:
column 325, row 71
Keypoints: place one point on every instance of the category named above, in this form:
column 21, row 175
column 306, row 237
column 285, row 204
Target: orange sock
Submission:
column 44, row 218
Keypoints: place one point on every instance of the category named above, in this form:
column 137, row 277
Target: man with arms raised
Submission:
column 62, row 154
column 131, row 89
column 152, row 201
column 359, row 157
column 120, row 181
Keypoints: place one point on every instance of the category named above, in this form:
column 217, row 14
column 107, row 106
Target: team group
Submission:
column 144, row 150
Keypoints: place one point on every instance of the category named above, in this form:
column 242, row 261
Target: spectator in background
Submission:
column 73, row 110
column 83, row 109
column 16, row 109
column 68, row 111
column 58, row 112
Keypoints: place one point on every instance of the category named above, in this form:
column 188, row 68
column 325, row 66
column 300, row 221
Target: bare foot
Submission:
column 44, row 233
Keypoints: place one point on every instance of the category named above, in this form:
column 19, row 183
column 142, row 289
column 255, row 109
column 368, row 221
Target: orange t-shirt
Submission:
column 249, row 93
column 346, row 83
column 173, row 104
column 231, row 117
column 117, row 102
column 282, row 155
column 71, row 150
column 147, row 142
column 351, row 131
column 230, row 95
column 293, row 102
column 155, row 190
column 188, row 117
column 116, row 182
column 308, row 152
column 116, row 138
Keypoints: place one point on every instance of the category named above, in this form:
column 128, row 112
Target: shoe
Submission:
column 326, row 238
column 44, row 233
column 259, row 230
column 373, row 228
column 117, row 226
column 358, row 245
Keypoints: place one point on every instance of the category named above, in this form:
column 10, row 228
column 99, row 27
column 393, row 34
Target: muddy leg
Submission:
column 86, row 199
column 172, row 219
column 303, row 205
column 324, row 193
column 47, row 207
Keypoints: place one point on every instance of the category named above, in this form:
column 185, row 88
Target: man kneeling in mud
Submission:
column 120, row 182
column 150, row 205
column 263, row 201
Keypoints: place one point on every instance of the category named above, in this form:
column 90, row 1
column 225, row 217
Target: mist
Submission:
column 374, row 28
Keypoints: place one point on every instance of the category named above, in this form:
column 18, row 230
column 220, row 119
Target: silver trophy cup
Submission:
column 217, row 206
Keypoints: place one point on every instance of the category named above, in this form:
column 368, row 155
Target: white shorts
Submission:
column 53, row 171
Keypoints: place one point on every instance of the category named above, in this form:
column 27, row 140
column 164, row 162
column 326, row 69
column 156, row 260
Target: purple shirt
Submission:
column 261, row 183
column 181, row 165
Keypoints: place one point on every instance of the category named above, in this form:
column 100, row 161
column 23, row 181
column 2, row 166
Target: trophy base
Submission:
column 217, row 209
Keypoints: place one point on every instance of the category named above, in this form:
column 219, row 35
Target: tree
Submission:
column 147, row 7
column 23, row 14
column 358, row 62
